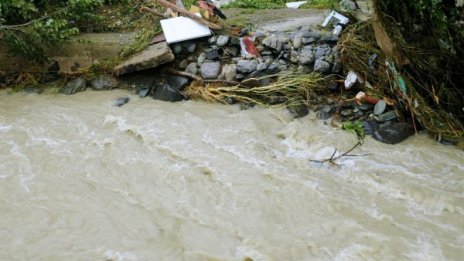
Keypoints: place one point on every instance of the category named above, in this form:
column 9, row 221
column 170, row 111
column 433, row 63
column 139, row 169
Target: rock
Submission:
column 306, row 56
column 192, row 68
column 144, row 92
column 321, row 66
column 120, row 101
column 75, row 86
column 310, row 34
column 178, row 82
column 261, row 66
column 293, row 56
column 321, row 51
column 151, row 57
column 284, row 39
column 231, row 51
column 297, row 42
column 183, row 64
column 240, row 76
column 304, row 69
column 167, row 93
column 366, row 107
column 346, row 113
column 177, row 48
column 103, row 83
column 330, row 38
column 298, row 111
column 273, row 42
column 212, row 40
column 212, row 55
column 308, row 40
column 273, row 68
column 222, row 40
column 347, row 5
column 235, row 41
column 201, row 59
column 210, row 70
column 371, row 126
column 229, row 72
column 332, row 85
column 394, row 133
column 246, row 66
column 190, row 46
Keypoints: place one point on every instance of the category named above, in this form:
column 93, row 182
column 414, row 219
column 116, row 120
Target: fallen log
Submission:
column 153, row 11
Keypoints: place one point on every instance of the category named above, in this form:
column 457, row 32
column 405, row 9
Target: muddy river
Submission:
column 81, row 179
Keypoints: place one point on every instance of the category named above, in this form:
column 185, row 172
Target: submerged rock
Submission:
column 178, row 82
column 120, row 101
column 394, row 133
column 75, row 86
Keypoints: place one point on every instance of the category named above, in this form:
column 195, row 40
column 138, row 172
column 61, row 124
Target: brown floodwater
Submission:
column 81, row 179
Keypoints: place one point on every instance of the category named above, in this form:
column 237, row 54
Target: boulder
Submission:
column 178, row 82
column 210, row 70
column 152, row 57
column 166, row 93
column 273, row 42
column 246, row 66
column 222, row 40
column 229, row 72
column 103, row 83
column 75, row 86
column 394, row 133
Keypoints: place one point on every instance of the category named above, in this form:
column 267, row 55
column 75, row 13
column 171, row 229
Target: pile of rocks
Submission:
column 221, row 57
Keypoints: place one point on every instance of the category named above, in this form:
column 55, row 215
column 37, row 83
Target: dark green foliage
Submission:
column 29, row 27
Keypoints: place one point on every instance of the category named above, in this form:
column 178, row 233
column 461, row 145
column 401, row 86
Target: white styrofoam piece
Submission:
column 180, row 29
column 341, row 19
column 295, row 5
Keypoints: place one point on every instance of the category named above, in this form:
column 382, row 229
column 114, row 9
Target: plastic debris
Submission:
column 388, row 116
column 350, row 80
column 295, row 5
column 183, row 28
column 248, row 48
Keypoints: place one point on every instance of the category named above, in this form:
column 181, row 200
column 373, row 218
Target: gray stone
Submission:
column 240, row 76
column 347, row 5
column 304, row 69
column 234, row 41
column 183, row 64
column 210, row 70
column 246, row 66
column 306, row 55
column 346, row 113
column 229, row 72
column 201, row 59
column 261, row 66
column 310, row 34
column 104, row 82
column 75, row 86
column 293, row 56
column 323, row 115
column 167, row 93
column 308, row 40
column 273, row 42
column 192, row 68
column 120, row 101
column 371, row 126
column 298, row 111
column 222, row 40
column 231, row 51
column 151, row 57
column 212, row 55
column 178, row 82
column 190, row 46
column 329, row 38
column 297, row 42
column 321, row 66
column 284, row 39
column 393, row 133
column 144, row 92
column 337, row 67
column 273, row 68
column 177, row 48
column 321, row 51
column 212, row 40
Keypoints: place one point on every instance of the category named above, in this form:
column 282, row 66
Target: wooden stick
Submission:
column 186, row 74
column 153, row 11
column 189, row 15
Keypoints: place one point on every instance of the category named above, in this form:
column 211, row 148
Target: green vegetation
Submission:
column 357, row 127
column 273, row 4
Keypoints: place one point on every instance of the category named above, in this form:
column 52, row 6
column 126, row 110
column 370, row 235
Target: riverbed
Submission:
column 81, row 179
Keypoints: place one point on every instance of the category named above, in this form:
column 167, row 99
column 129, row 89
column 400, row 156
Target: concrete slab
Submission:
column 152, row 57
